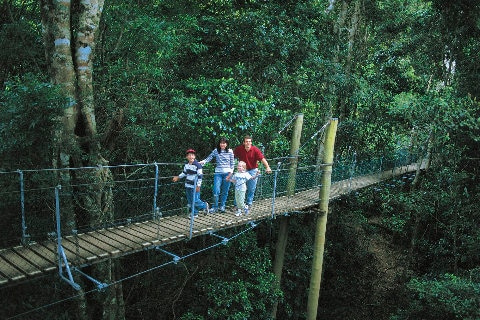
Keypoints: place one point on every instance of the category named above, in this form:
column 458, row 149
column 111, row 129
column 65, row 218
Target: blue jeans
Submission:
column 220, row 189
column 251, row 186
column 193, row 199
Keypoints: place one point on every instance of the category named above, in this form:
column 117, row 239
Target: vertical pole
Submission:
column 319, row 242
column 59, row 233
column 61, row 253
column 274, row 193
column 155, row 209
column 22, row 207
column 283, row 228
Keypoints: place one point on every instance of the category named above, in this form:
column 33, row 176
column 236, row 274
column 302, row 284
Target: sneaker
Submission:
column 246, row 209
column 207, row 208
column 222, row 209
column 239, row 213
column 213, row 210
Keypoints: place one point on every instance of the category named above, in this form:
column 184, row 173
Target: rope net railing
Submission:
column 95, row 198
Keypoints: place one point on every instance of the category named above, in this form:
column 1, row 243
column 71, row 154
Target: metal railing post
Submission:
column 25, row 236
column 60, row 251
column 155, row 208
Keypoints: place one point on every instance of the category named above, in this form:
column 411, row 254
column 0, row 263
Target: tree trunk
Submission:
column 418, row 219
column 347, row 37
column 77, row 142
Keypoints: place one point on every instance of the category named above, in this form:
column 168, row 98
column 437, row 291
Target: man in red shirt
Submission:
column 251, row 155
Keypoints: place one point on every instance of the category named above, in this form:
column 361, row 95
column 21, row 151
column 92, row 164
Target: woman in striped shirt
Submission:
column 224, row 165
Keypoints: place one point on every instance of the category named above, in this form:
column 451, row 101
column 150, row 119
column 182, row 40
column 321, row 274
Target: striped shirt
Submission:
column 190, row 172
column 224, row 160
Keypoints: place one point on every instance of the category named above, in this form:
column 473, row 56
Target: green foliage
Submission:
column 237, row 282
column 444, row 297
column 155, row 59
column 216, row 107
column 29, row 115
column 21, row 39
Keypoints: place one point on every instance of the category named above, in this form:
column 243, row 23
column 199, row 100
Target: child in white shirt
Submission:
column 240, row 179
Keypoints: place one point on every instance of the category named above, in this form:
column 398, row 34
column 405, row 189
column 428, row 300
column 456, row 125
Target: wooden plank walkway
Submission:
column 22, row 263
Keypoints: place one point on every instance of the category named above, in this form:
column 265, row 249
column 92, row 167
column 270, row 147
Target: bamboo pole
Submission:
column 321, row 226
column 283, row 228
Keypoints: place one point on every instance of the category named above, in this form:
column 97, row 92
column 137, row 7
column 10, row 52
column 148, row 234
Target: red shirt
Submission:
column 251, row 157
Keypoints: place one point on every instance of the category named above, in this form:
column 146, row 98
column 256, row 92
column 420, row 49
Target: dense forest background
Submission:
column 141, row 81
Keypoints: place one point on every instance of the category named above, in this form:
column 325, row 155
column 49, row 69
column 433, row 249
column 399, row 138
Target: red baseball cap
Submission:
column 190, row 151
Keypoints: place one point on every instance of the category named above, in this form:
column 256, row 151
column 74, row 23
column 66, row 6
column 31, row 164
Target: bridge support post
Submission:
column 25, row 236
column 283, row 230
column 155, row 208
column 62, row 258
column 321, row 225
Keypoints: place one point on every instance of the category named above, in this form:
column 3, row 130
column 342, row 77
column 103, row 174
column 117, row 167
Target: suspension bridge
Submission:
column 47, row 227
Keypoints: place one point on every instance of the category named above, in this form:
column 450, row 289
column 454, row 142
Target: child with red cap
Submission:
column 193, row 174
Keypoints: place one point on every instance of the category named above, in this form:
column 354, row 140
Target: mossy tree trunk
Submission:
column 70, row 29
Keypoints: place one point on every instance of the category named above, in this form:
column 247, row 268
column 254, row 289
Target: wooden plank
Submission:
column 20, row 263
column 102, row 242
column 41, row 250
column 76, row 252
column 106, row 236
column 151, row 226
column 121, row 233
column 204, row 224
column 39, row 261
column 70, row 252
column 3, row 279
column 230, row 220
column 82, row 246
column 175, row 232
column 145, row 234
column 133, row 232
column 223, row 218
column 227, row 220
column 166, row 234
column 10, row 272
column 161, row 235
column 176, row 224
